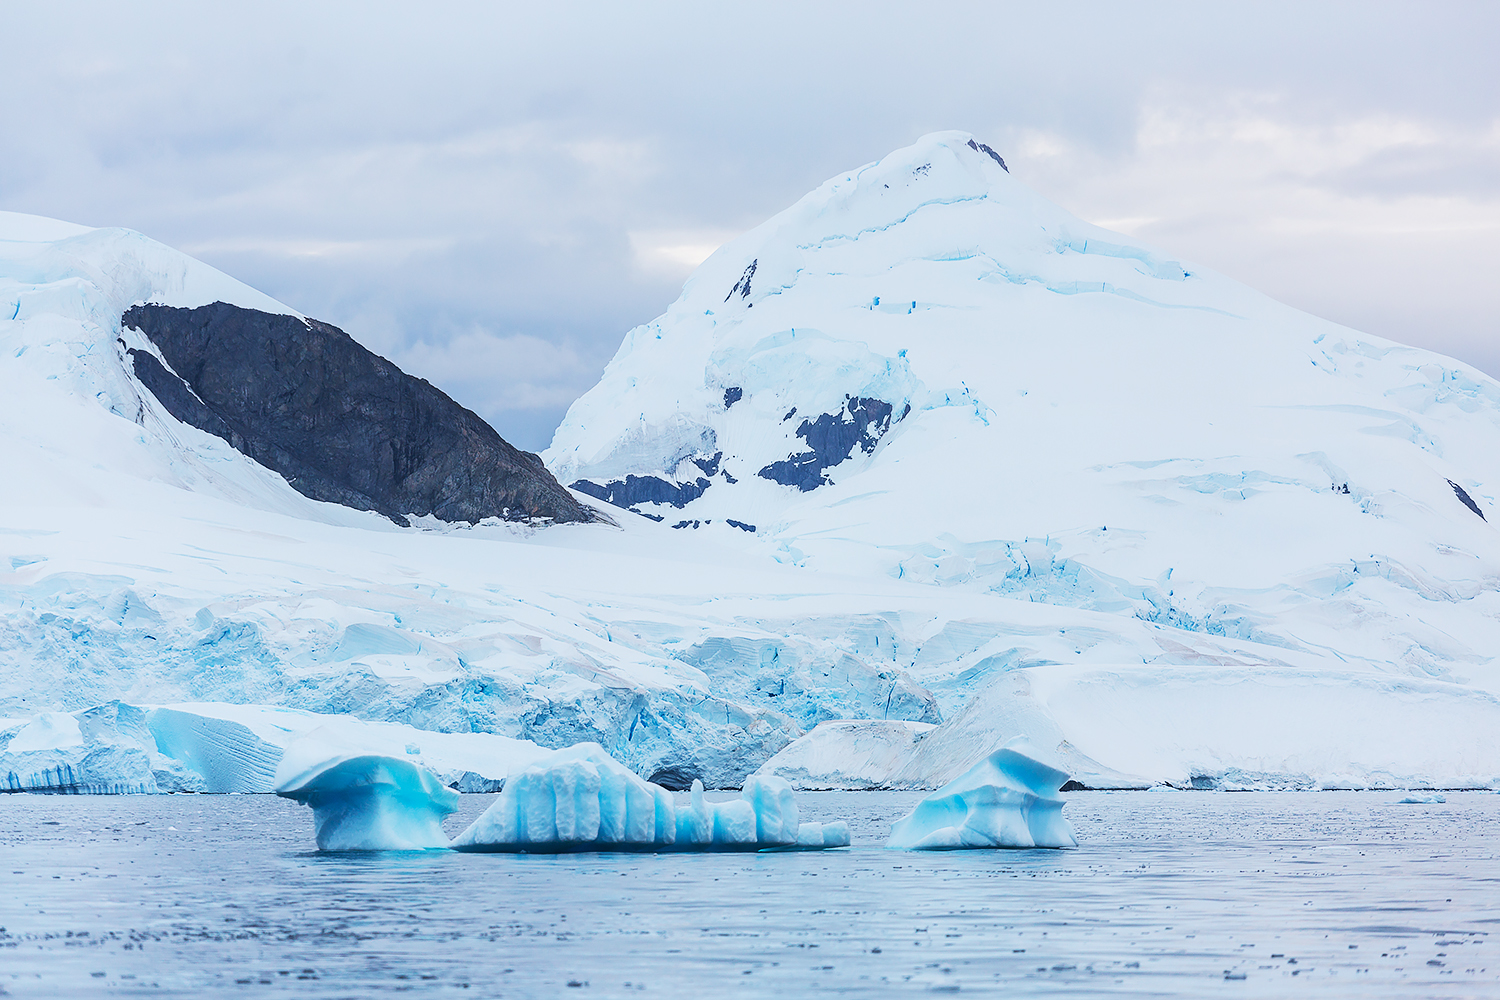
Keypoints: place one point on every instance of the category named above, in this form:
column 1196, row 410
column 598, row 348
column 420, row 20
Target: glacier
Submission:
column 922, row 450
column 1010, row 798
column 582, row 799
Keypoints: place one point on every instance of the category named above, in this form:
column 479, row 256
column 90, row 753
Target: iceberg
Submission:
column 1008, row 799
column 372, row 803
column 582, row 799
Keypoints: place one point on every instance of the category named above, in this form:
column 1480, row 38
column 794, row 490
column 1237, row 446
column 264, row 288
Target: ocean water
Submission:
column 1171, row 894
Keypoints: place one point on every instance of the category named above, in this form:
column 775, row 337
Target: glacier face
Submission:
column 921, row 448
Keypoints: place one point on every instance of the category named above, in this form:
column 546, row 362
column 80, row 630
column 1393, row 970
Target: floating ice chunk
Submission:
column 1422, row 800
column 579, row 798
column 1009, row 799
column 582, row 799
column 106, row 750
column 812, row 836
column 373, row 803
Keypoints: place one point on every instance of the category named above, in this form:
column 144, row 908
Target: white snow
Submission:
column 1120, row 483
column 1008, row 799
column 848, row 754
column 581, row 798
column 371, row 803
column 48, row 731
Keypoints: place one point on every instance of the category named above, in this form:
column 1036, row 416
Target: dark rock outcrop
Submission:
column 341, row 423
column 634, row 490
column 980, row 147
column 1463, row 496
column 832, row 438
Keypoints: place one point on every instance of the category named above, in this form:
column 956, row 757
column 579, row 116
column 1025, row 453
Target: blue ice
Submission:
column 1009, row 799
column 374, row 803
column 582, row 799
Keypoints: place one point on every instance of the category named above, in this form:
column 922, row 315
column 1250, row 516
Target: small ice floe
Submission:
column 1009, row 799
column 371, row 803
column 582, row 799
column 1422, row 800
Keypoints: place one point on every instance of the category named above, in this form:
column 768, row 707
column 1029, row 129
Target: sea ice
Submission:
column 582, row 799
column 372, row 803
column 1008, row 799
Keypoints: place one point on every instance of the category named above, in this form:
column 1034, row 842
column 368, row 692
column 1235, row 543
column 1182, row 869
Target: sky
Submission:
column 491, row 195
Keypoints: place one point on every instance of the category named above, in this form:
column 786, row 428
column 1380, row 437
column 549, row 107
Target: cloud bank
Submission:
column 492, row 195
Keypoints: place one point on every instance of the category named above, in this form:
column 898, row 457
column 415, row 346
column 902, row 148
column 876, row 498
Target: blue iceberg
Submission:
column 373, row 803
column 582, row 799
column 1009, row 799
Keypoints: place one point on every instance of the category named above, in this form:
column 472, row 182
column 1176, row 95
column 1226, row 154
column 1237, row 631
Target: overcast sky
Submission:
column 491, row 196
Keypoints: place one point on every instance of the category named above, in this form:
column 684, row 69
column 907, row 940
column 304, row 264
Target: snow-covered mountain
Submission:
column 923, row 370
column 923, row 448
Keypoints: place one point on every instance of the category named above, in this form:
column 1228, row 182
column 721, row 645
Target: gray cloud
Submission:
column 492, row 196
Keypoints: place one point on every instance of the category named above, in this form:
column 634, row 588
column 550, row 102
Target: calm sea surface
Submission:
column 1191, row 894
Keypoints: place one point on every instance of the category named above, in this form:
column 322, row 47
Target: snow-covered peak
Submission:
column 887, row 239
column 110, row 269
column 924, row 369
column 78, row 425
column 18, row 227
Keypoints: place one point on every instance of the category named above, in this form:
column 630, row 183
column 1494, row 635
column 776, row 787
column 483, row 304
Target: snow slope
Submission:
column 1119, row 477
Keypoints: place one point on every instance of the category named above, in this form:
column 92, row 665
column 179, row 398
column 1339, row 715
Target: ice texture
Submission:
column 1008, row 799
column 372, row 803
column 582, row 799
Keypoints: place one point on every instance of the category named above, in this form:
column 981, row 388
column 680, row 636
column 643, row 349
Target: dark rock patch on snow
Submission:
column 733, row 395
column 832, row 438
column 709, row 465
column 633, row 490
column 743, row 285
column 980, row 147
column 341, row 423
column 1468, row 501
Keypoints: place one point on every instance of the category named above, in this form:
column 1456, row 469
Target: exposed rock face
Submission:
column 340, row 423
